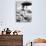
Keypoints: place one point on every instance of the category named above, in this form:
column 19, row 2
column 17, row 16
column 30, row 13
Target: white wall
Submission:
column 38, row 25
column 39, row 18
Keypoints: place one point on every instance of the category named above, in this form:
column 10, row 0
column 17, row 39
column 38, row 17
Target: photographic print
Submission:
column 24, row 11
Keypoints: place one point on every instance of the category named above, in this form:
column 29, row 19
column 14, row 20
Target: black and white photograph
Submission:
column 24, row 11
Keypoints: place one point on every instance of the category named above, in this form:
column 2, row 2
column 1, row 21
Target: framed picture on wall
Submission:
column 24, row 11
